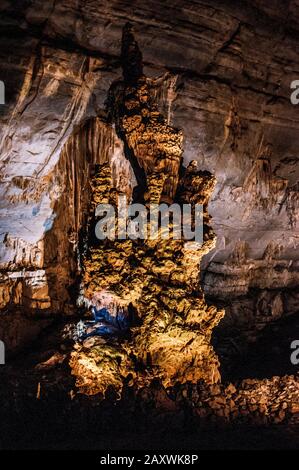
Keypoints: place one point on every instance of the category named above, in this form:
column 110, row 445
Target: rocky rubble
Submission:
column 267, row 401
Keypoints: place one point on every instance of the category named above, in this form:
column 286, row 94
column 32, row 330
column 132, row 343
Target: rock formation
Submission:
column 158, row 279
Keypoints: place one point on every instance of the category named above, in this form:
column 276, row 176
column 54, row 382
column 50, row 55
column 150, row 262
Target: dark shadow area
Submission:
column 268, row 356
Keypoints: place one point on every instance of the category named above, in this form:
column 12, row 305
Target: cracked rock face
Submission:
column 224, row 77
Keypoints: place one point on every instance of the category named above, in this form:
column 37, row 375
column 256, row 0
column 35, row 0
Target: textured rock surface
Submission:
column 225, row 74
column 156, row 278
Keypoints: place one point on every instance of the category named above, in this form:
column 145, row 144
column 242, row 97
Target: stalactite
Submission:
column 264, row 190
column 292, row 205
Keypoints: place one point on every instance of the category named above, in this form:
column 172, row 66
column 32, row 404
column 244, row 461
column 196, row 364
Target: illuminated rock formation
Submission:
column 156, row 280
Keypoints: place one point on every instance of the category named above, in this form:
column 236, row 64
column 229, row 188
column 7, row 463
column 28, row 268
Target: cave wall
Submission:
column 223, row 74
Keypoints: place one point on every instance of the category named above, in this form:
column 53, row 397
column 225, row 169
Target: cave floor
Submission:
column 41, row 409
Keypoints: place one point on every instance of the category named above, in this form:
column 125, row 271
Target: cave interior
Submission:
column 184, row 104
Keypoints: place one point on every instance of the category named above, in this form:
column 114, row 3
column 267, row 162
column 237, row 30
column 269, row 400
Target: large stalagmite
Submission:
column 154, row 281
